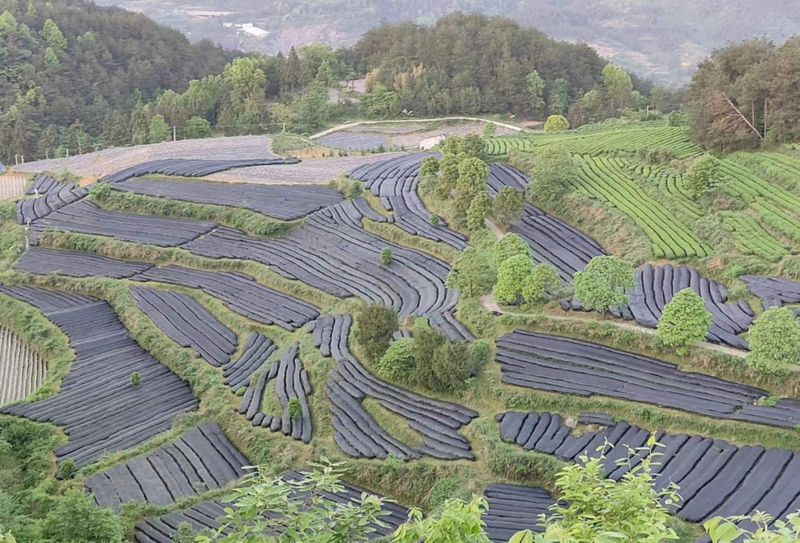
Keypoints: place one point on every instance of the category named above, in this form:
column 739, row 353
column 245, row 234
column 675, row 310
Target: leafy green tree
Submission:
column 473, row 146
column 376, row 325
column 313, row 109
column 452, row 145
column 543, row 279
column 552, row 175
column 300, row 510
column 558, row 101
column 479, row 210
column 386, row 256
column 618, row 85
column 53, row 36
column 50, row 57
column 774, row 341
column 429, row 167
column 728, row 530
column 448, row 176
column 509, row 246
column 398, row 362
column 508, row 206
column 115, row 131
column 159, row 130
column 457, row 522
column 77, row 519
column 474, row 272
column 140, row 124
column 534, row 87
column 381, row 103
column 472, row 176
column 489, row 130
column 702, row 175
column 198, row 128
column 597, row 509
column 684, row 321
column 49, row 141
column 556, row 123
column 602, row 285
column 511, row 279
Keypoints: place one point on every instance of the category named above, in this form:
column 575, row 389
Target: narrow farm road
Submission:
column 340, row 127
column 490, row 304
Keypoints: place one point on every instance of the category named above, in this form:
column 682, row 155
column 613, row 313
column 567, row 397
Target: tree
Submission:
column 140, row 125
column 597, row 509
column 49, row 141
column 489, row 129
column 558, row 102
column 508, row 206
column 398, row 363
column 313, row 108
column 774, row 341
column 602, row 285
column 452, row 145
column 543, row 279
column 429, row 167
column 376, row 326
column 684, row 321
column 159, row 130
column 472, row 176
column 448, row 176
column 197, row 128
column 53, row 36
column 728, row 530
column 474, row 272
column 552, row 175
column 618, row 85
column 386, row 256
column 509, row 246
column 458, row 521
column 511, row 279
column 50, row 57
column 472, row 146
column 115, row 130
column 556, row 123
column 702, row 175
column 299, row 510
column 534, row 87
column 381, row 103
column 77, row 519
column 479, row 210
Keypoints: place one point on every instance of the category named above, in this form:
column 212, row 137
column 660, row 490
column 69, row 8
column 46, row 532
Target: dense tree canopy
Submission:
column 473, row 63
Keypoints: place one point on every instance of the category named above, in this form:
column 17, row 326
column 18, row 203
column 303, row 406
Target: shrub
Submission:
column 472, row 176
column 350, row 188
column 489, row 130
column 430, row 166
column 556, row 123
column 75, row 518
column 684, row 321
column 100, row 191
column 376, row 325
column 433, row 220
column 136, row 378
column 386, row 256
column 197, row 128
column 511, row 278
column 294, row 409
column 508, row 206
column 68, row 469
column 601, row 286
column 702, row 175
column 398, row 363
column 774, row 341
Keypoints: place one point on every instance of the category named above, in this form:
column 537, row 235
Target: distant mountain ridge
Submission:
column 662, row 40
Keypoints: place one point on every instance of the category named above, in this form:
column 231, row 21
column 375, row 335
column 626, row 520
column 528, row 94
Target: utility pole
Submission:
column 80, row 149
column 174, row 133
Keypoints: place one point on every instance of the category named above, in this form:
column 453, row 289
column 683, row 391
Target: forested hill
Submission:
column 67, row 61
column 473, row 63
column 663, row 40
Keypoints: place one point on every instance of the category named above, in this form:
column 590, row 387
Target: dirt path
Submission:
column 340, row 127
column 490, row 304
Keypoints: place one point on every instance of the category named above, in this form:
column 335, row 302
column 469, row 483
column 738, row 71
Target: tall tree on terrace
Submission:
column 534, row 86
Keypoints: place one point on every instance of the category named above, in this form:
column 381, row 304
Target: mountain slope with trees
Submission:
column 73, row 63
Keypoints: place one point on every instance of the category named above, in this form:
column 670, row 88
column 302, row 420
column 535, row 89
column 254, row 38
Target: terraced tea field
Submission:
column 22, row 370
column 188, row 348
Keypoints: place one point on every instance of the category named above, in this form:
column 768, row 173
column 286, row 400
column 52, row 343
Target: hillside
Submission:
column 192, row 326
column 73, row 63
column 660, row 40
